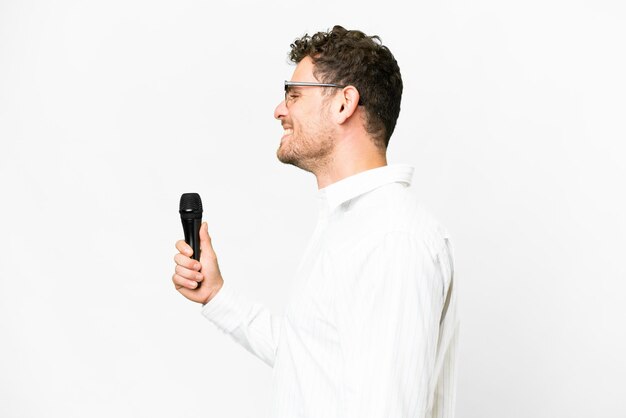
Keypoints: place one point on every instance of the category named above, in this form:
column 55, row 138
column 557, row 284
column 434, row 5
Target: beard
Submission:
column 305, row 151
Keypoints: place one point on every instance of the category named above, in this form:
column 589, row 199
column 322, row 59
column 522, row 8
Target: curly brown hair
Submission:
column 350, row 57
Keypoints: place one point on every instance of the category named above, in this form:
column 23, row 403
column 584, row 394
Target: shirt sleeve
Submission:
column 250, row 324
column 390, row 299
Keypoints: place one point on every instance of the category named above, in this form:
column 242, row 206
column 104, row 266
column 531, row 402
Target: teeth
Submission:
column 288, row 131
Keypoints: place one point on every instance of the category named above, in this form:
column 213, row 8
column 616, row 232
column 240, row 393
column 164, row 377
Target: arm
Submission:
column 389, row 306
column 251, row 325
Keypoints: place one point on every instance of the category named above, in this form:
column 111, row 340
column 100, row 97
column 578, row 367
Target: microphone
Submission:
column 191, row 217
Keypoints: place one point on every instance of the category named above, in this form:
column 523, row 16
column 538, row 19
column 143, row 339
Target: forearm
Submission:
column 250, row 324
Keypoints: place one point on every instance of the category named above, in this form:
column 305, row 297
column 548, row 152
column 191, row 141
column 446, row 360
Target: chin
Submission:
column 283, row 158
column 287, row 158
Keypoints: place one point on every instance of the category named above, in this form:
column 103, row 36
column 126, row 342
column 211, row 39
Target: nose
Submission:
column 280, row 111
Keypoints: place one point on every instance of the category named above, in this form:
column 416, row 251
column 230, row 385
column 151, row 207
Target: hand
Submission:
column 197, row 281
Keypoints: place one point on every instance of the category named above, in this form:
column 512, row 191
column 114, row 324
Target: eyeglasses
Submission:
column 289, row 84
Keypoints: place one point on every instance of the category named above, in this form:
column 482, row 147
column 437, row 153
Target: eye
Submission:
column 291, row 96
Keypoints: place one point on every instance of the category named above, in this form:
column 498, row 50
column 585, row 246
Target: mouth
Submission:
column 287, row 132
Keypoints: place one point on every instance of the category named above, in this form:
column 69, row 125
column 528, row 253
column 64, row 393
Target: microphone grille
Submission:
column 190, row 202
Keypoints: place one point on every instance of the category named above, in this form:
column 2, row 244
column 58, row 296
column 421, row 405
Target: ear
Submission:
column 347, row 103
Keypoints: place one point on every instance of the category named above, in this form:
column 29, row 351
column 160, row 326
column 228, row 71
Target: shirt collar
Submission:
column 350, row 187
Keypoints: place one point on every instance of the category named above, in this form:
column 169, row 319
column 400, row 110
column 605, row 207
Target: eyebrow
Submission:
column 292, row 89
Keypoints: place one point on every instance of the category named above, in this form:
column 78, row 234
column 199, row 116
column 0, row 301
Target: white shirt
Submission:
column 371, row 326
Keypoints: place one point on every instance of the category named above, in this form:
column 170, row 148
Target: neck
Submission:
column 349, row 167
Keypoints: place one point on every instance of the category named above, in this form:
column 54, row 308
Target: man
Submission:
column 370, row 330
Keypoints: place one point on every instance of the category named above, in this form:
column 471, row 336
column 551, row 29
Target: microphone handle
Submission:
column 191, row 227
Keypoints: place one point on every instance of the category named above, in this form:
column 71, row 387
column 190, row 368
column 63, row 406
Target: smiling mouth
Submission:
column 287, row 132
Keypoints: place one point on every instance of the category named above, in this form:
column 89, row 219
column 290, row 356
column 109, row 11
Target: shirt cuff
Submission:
column 226, row 308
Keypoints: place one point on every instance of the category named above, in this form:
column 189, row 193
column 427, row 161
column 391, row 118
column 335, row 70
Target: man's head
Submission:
column 367, row 80
column 349, row 57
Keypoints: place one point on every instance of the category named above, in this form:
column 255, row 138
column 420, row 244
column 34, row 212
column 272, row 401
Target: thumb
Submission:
column 206, row 249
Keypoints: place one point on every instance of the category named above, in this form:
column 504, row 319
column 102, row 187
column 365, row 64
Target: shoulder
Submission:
column 408, row 216
column 389, row 217
column 421, row 222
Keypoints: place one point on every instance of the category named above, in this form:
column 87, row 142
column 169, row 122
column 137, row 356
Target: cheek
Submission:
column 307, row 121
column 298, row 123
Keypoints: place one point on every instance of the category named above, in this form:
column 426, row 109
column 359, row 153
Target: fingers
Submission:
column 186, row 262
column 188, row 274
column 187, row 269
column 180, row 282
column 184, row 248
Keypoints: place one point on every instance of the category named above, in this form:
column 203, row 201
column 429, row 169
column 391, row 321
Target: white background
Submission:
column 513, row 115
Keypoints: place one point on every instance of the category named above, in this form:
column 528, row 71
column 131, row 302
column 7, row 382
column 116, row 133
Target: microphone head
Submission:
column 190, row 206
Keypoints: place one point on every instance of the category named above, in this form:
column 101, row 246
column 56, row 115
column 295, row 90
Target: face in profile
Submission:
column 308, row 137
